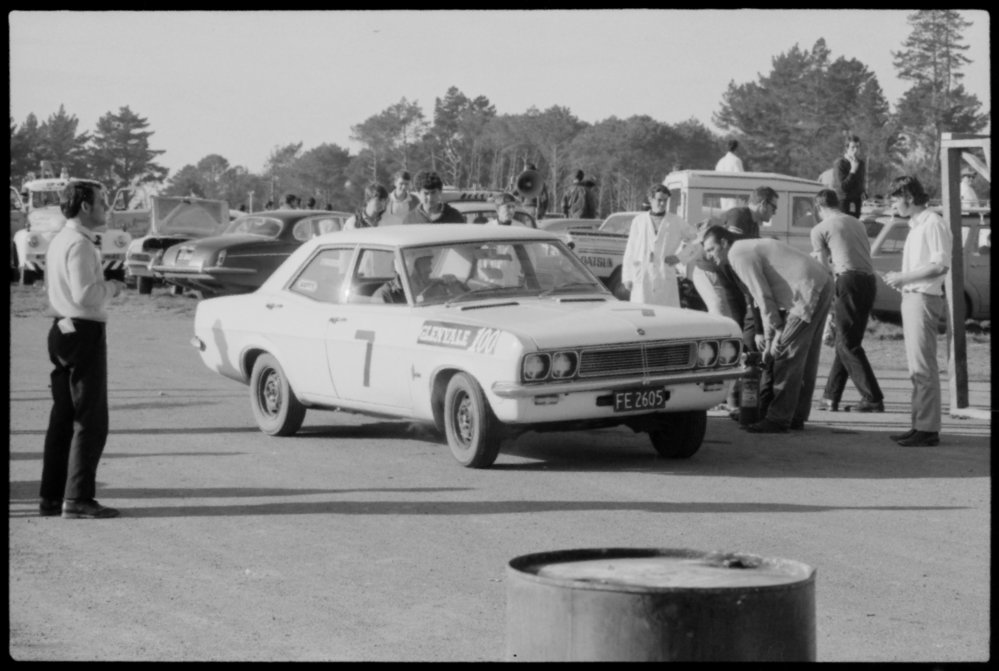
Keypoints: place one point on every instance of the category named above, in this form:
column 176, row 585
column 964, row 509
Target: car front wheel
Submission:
column 473, row 432
column 679, row 435
column 275, row 407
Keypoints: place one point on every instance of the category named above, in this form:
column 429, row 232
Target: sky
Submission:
column 241, row 84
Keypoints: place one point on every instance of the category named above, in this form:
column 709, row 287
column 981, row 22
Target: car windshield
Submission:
column 265, row 227
column 618, row 223
column 44, row 199
column 454, row 273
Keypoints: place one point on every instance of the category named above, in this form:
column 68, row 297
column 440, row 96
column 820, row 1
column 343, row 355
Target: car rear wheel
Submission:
column 145, row 284
column 275, row 407
column 473, row 432
column 679, row 435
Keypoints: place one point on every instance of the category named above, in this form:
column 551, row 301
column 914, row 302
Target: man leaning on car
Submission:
column 432, row 210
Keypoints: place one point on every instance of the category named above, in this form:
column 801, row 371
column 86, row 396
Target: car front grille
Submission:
column 636, row 358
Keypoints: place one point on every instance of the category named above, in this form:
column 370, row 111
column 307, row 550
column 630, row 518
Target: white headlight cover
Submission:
column 707, row 353
column 564, row 365
column 536, row 366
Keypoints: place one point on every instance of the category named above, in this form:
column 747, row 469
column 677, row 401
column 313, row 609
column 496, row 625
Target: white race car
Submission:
column 482, row 331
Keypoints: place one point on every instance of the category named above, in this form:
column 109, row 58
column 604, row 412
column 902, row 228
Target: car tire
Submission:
column 144, row 284
column 275, row 407
column 27, row 276
column 472, row 430
column 678, row 435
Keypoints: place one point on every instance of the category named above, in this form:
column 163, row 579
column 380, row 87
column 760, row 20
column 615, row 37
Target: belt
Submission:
column 917, row 291
column 854, row 272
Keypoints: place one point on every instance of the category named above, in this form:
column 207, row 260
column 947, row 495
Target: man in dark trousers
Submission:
column 793, row 292
column 840, row 241
column 78, row 296
column 852, row 173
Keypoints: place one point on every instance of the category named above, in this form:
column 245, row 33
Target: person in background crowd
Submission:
column 506, row 207
column 268, row 206
column 291, row 202
column 311, row 203
column 400, row 202
column 840, row 241
column 657, row 242
column 730, row 162
column 851, row 171
column 925, row 260
column 969, row 197
column 577, row 203
column 793, row 292
column 77, row 342
column 369, row 214
column 432, row 209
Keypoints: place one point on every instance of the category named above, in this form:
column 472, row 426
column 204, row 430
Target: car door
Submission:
column 369, row 344
column 977, row 267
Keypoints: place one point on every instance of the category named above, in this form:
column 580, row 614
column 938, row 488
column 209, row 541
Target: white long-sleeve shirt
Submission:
column 74, row 276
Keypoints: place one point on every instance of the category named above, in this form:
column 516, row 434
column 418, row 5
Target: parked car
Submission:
column 976, row 236
column 44, row 219
column 478, row 207
column 500, row 330
column 562, row 225
column 173, row 220
column 246, row 253
column 18, row 221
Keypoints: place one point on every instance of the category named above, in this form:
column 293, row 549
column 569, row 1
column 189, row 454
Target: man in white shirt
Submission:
column 730, row 162
column 78, row 295
column 968, row 194
column 401, row 201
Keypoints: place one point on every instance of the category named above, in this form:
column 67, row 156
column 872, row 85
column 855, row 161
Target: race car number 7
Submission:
column 369, row 337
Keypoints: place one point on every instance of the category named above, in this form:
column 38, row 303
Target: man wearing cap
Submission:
column 506, row 206
column 432, row 209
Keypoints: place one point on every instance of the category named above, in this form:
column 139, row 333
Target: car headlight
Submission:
column 120, row 242
column 220, row 259
column 707, row 353
column 536, row 367
column 564, row 365
column 728, row 354
column 34, row 241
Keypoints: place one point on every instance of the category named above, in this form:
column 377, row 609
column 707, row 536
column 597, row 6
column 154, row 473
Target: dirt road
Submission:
column 362, row 539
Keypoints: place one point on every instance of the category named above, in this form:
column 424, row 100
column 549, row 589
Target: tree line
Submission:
column 793, row 120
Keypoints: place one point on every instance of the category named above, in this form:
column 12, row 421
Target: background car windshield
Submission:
column 618, row 223
column 44, row 198
column 479, row 270
column 264, row 227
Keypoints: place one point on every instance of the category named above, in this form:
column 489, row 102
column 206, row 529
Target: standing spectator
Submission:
column 311, row 204
column 432, row 209
column 506, row 207
column 291, row 202
column 577, row 203
column 401, row 201
column 968, row 195
column 370, row 213
column 268, row 206
column 840, row 241
column 851, row 171
column 78, row 296
column 657, row 242
column 925, row 260
column 793, row 292
column 730, row 162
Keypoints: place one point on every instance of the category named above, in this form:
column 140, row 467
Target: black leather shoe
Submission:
column 829, row 405
column 49, row 507
column 867, row 406
column 73, row 510
column 902, row 436
column 766, row 426
column 921, row 439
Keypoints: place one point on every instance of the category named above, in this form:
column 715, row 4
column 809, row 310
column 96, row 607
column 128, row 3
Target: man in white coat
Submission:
column 657, row 243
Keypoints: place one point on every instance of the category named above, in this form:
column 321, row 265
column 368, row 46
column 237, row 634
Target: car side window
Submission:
column 804, row 212
column 328, row 224
column 322, row 277
column 714, row 205
column 303, row 230
column 374, row 268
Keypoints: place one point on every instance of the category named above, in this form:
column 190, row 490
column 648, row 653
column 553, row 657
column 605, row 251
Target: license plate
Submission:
column 642, row 398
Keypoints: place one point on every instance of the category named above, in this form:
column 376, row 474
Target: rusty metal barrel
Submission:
column 652, row 604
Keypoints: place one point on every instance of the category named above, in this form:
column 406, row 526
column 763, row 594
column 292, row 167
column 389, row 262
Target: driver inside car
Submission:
column 392, row 291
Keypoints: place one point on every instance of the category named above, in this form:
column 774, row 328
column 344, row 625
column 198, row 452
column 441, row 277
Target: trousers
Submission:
column 78, row 423
column 920, row 317
column 851, row 310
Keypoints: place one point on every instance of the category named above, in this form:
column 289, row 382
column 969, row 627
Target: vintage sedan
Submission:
column 173, row 220
column 483, row 332
column 976, row 236
column 477, row 207
column 246, row 253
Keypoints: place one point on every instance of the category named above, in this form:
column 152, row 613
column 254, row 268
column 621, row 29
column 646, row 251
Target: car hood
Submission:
column 192, row 218
column 577, row 321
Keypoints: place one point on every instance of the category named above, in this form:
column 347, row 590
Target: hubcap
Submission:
column 463, row 419
column 270, row 394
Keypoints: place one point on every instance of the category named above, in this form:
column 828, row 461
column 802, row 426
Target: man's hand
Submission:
column 761, row 342
column 895, row 280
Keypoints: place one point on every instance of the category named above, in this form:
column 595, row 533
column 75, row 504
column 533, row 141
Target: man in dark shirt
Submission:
column 432, row 209
column 577, row 203
column 852, row 172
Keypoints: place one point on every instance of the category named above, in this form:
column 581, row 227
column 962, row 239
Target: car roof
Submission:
column 295, row 215
column 408, row 235
column 698, row 178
